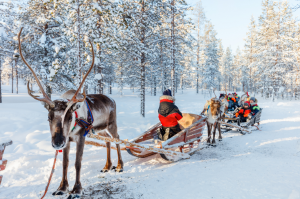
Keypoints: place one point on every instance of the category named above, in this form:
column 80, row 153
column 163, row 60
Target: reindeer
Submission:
column 70, row 119
column 244, row 97
column 214, row 110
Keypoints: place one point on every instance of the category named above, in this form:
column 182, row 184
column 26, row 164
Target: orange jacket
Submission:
column 243, row 111
column 233, row 99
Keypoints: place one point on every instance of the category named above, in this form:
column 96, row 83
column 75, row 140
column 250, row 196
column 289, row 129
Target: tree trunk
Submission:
column 78, row 43
column 17, row 79
column 99, row 67
column 173, row 47
column 143, row 60
column 12, row 77
column 154, row 86
column 121, row 82
column 143, row 85
column 0, row 82
column 48, row 91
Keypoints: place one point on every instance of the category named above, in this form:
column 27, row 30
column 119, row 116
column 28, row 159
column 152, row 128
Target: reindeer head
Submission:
column 60, row 111
column 215, row 107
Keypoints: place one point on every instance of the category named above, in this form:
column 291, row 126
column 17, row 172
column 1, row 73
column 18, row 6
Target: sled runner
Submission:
column 242, row 127
column 180, row 146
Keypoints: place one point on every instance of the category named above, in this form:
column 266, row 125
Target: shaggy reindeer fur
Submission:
column 105, row 124
column 214, row 110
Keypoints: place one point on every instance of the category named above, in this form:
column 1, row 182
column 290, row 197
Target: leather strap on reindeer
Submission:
column 88, row 125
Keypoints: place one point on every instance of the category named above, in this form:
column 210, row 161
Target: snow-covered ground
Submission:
column 264, row 164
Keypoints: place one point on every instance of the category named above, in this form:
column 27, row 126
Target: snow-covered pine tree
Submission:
column 227, row 69
column 211, row 67
column 275, row 53
column 250, row 50
column 200, row 21
column 238, row 65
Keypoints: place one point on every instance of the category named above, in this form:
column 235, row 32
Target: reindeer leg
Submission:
column 77, row 189
column 214, row 133
column 208, row 132
column 120, row 161
column 113, row 130
column 64, row 185
column 108, row 164
column 220, row 132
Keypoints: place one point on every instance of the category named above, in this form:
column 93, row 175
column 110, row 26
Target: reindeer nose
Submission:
column 58, row 141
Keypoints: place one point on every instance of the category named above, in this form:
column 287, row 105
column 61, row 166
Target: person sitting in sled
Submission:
column 231, row 102
column 244, row 113
column 237, row 98
column 254, row 107
column 221, row 96
column 168, row 114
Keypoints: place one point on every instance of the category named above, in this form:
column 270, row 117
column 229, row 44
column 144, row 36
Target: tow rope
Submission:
column 88, row 125
column 52, row 171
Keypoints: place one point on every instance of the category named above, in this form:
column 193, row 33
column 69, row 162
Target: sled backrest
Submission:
column 195, row 126
column 188, row 119
column 256, row 118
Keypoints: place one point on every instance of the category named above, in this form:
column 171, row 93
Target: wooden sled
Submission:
column 243, row 127
column 184, row 142
column 180, row 146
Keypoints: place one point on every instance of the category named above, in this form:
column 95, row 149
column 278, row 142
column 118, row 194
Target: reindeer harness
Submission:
column 88, row 125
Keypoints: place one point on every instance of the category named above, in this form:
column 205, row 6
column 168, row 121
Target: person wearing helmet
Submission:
column 244, row 113
column 169, row 115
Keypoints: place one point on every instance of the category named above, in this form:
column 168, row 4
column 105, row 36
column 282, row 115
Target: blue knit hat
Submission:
column 167, row 92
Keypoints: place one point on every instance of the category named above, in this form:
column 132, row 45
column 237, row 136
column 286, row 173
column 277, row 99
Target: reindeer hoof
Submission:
column 116, row 169
column 220, row 140
column 104, row 170
column 59, row 193
column 72, row 196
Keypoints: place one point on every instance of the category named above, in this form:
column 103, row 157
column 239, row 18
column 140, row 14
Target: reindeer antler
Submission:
column 74, row 99
column 46, row 98
column 215, row 93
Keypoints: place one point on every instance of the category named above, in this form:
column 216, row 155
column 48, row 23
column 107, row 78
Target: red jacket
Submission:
column 168, row 112
column 243, row 111
column 233, row 99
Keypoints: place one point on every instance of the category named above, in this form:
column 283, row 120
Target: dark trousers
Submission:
column 173, row 130
column 242, row 118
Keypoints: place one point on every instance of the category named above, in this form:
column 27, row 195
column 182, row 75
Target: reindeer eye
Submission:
column 49, row 118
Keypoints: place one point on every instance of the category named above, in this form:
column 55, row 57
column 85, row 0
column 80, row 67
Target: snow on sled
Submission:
column 242, row 127
column 182, row 145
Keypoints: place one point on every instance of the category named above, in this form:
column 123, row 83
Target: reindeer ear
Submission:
column 47, row 106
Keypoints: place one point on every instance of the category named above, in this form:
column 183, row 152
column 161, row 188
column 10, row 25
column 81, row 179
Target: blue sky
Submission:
column 232, row 17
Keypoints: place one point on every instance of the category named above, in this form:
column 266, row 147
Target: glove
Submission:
column 252, row 113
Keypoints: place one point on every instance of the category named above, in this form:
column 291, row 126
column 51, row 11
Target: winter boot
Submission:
column 159, row 135
column 238, row 121
column 249, row 118
column 166, row 135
